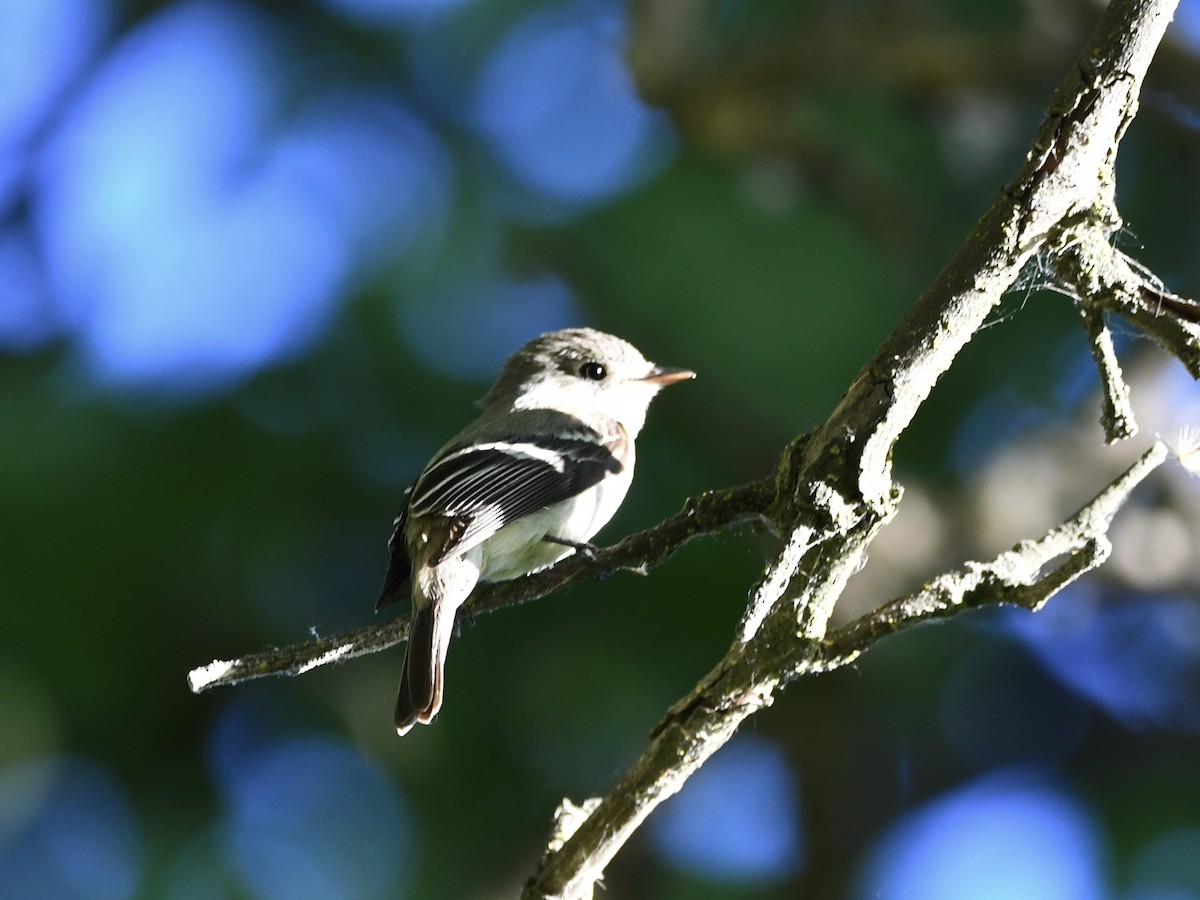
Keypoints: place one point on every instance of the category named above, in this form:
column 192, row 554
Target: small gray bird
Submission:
column 541, row 470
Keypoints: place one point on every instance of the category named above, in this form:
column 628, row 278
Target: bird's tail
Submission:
column 421, row 681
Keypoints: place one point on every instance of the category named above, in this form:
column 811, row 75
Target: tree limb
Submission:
column 706, row 514
column 837, row 486
column 746, row 680
column 1015, row 576
column 832, row 491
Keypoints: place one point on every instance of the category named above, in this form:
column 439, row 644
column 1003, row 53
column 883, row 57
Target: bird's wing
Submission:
column 485, row 486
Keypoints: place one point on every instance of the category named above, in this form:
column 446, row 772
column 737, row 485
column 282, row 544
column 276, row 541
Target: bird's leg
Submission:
column 588, row 550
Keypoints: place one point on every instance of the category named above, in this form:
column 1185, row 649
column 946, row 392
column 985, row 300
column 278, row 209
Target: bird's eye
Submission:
column 592, row 371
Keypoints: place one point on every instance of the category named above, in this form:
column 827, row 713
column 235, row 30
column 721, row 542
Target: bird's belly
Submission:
column 520, row 547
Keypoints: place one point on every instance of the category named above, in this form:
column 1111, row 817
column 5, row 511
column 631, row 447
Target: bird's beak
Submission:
column 664, row 375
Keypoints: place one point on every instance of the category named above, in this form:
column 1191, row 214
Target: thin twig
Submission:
column 1099, row 276
column 1116, row 416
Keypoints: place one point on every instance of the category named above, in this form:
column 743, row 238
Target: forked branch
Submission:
column 832, row 491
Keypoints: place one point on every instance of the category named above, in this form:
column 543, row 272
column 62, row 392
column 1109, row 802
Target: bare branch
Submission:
column 706, row 514
column 298, row 658
column 1092, row 270
column 1116, row 416
column 1015, row 576
column 837, row 487
column 742, row 683
column 747, row 679
column 832, row 492
column 1068, row 170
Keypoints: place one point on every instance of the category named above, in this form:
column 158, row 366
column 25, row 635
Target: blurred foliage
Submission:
column 824, row 160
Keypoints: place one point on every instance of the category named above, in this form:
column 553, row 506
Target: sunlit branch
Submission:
column 1116, row 416
column 838, row 487
column 1018, row 576
column 1101, row 277
column 706, row 514
column 832, row 492
column 745, row 681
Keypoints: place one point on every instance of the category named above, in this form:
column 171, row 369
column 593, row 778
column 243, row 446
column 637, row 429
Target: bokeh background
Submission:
column 257, row 260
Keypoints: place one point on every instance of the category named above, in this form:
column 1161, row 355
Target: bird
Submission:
column 544, row 466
